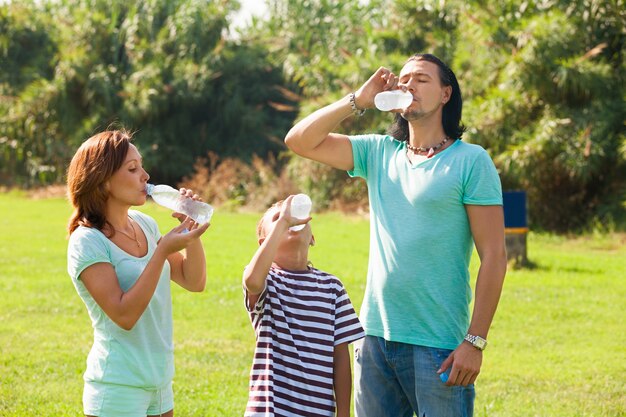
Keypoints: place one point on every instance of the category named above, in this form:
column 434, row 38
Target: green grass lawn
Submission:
column 557, row 345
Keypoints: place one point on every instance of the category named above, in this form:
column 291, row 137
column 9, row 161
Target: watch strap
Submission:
column 476, row 341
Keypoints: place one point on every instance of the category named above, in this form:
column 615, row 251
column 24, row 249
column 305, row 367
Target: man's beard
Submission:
column 417, row 114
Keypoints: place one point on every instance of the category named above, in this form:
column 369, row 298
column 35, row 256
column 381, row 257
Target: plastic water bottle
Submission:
column 393, row 99
column 300, row 209
column 172, row 199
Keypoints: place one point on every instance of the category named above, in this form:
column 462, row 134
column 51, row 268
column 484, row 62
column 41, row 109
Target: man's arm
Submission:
column 487, row 226
column 342, row 379
column 312, row 138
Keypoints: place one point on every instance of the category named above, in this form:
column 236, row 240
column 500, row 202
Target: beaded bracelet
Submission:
column 355, row 109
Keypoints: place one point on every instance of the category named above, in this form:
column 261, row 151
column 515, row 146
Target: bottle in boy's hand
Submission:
column 300, row 209
column 172, row 199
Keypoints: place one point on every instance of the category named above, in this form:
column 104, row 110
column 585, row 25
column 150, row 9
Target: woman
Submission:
column 121, row 267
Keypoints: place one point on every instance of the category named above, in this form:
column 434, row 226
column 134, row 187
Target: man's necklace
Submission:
column 134, row 236
column 429, row 151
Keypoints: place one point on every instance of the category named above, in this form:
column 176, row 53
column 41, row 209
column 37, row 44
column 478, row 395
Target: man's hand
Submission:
column 382, row 80
column 466, row 361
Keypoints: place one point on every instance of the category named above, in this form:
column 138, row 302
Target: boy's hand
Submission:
column 285, row 214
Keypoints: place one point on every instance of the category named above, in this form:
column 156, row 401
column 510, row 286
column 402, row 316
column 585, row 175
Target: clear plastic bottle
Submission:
column 393, row 99
column 300, row 209
column 171, row 198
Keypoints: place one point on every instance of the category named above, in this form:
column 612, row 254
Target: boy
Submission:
column 303, row 320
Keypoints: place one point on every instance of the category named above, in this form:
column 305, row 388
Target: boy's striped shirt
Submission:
column 298, row 319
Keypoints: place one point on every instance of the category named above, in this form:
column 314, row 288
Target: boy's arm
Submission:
column 255, row 274
column 342, row 379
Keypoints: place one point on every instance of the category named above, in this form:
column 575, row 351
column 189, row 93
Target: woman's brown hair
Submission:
column 93, row 164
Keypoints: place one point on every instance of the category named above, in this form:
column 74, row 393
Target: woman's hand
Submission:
column 186, row 193
column 182, row 235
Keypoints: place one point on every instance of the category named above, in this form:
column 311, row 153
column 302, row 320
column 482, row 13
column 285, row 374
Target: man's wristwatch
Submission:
column 476, row 341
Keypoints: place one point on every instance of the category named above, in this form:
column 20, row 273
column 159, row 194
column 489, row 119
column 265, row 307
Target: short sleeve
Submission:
column 482, row 185
column 85, row 248
column 347, row 325
column 363, row 146
column 257, row 308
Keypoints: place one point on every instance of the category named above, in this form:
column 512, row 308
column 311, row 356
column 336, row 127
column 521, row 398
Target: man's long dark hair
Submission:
column 452, row 110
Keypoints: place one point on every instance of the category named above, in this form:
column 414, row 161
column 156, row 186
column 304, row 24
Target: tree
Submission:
column 162, row 69
column 546, row 98
column 27, row 55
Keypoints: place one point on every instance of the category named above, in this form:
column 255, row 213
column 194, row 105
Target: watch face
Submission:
column 480, row 343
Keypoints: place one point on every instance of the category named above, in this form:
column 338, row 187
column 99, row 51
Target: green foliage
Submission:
column 26, row 48
column 542, row 80
column 322, row 44
column 27, row 56
column 163, row 69
column 552, row 112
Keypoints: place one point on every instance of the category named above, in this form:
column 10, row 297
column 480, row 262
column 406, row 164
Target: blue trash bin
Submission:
column 515, row 210
column 515, row 226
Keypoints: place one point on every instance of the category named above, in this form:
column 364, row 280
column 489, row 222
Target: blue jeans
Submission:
column 399, row 379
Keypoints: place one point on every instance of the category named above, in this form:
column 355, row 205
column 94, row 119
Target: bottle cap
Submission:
column 149, row 189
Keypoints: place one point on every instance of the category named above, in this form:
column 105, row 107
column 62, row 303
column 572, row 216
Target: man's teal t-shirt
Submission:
column 142, row 357
column 418, row 288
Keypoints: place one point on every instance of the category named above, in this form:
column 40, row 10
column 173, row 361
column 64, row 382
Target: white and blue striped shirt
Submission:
column 298, row 319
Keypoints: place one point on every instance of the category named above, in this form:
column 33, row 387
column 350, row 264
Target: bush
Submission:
column 232, row 183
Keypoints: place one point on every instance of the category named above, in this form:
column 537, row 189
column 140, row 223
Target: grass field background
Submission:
column 557, row 346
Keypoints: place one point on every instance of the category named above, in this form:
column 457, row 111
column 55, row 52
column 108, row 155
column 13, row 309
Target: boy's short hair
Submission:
column 259, row 226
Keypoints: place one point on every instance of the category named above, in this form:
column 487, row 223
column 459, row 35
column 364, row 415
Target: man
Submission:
column 430, row 196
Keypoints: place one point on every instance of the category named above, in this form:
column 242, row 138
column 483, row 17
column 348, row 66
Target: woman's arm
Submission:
column 189, row 269
column 125, row 308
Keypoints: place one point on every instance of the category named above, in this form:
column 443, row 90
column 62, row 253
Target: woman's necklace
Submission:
column 134, row 236
column 429, row 151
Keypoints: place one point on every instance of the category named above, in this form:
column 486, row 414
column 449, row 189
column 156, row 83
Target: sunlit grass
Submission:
column 557, row 344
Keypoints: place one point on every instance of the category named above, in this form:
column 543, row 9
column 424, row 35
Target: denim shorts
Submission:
column 110, row 400
column 399, row 380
